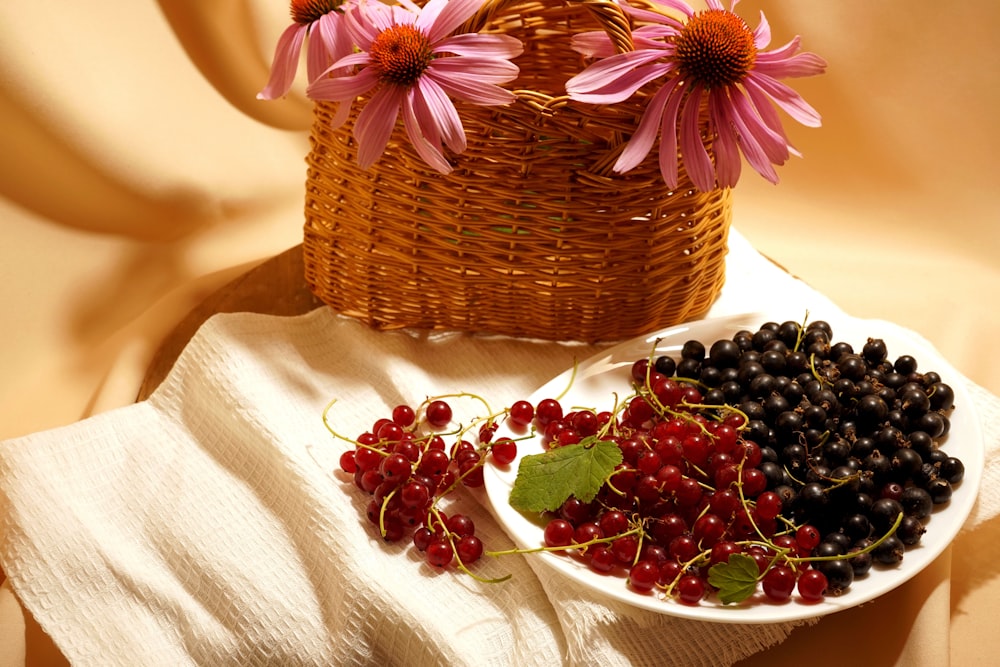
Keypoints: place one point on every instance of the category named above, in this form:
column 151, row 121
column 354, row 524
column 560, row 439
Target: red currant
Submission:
column 812, row 585
column 725, row 438
column 461, row 525
column 723, row 550
column 574, row 510
column 768, row 505
column 469, row 549
column 639, row 369
column 434, row 463
column 439, row 553
column 586, row 532
column 788, row 542
column 670, row 570
column 807, row 538
column 558, row 533
column 389, row 432
column 754, row 482
column 690, row 589
column 422, row 538
column 689, row 492
column 648, row 462
column 407, row 448
column 568, row 436
column 367, row 458
column 600, row 558
column 347, row 462
column 438, row 413
column 724, row 503
column 640, row 410
column 625, row 549
column 707, row 530
column 778, row 583
column 586, row 422
column 613, row 522
column 415, row 494
column 548, row 410
column 504, row 451
column 683, row 548
column 403, row 415
column 522, row 413
column 644, row 575
column 395, row 467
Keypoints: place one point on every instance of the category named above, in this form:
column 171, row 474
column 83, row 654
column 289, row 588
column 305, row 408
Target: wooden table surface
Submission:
column 274, row 287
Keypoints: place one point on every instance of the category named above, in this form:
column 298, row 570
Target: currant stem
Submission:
column 576, row 545
column 871, row 547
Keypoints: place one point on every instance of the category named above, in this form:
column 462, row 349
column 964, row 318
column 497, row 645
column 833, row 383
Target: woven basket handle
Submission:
column 607, row 13
column 613, row 21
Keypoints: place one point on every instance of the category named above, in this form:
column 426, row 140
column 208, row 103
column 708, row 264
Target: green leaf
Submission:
column 544, row 481
column 735, row 579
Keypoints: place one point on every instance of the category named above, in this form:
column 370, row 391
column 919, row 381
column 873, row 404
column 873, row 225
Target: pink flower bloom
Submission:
column 318, row 21
column 712, row 56
column 411, row 61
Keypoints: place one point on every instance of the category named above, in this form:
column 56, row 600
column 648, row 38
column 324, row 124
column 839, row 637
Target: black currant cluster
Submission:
column 849, row 438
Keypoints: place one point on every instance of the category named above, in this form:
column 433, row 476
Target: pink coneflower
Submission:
column 409, row 57
column 714, row 55
column 319, row 21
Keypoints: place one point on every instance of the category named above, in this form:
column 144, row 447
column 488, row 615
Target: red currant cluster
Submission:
column 408, row 467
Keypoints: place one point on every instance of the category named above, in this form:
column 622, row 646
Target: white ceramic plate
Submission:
column 598, row 378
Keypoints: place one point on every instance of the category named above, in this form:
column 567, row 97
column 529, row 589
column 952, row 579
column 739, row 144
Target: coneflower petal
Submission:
column 616, row 78
column 441, row 114
column 473, row 90
column 439, row 18
column 642, row 140
column 487, row 70
column 482, row 46
column 786, row 98
column 728, row 163
column 427, row 147
column 375, row 123
column 773, row 144
column 697, row 161
column 343, row 88
column 285, row 62
column 750, row 142
column 762, row 34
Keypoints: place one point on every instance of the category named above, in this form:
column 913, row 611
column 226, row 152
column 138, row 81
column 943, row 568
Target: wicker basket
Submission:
column 532, row 234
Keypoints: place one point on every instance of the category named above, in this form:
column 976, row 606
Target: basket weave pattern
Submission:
column 532, row 234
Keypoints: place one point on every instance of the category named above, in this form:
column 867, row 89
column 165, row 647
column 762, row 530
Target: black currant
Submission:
column 874, row 351
column 839, row 575
column 910, row 530
column 725, row 353
column 693, row 349
column 916, row 502
column 942, row 396
column 905, row 365
column 890, row 551
column 952, row 470
column 884, row 513
column 940, row 490
column 665, row 365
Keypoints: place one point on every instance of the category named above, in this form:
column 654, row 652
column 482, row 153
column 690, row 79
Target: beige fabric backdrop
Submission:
column 138, row 174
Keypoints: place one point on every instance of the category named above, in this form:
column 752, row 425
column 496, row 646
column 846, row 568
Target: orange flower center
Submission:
column 400, row 54
column 307, row 11
column 715, row 48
